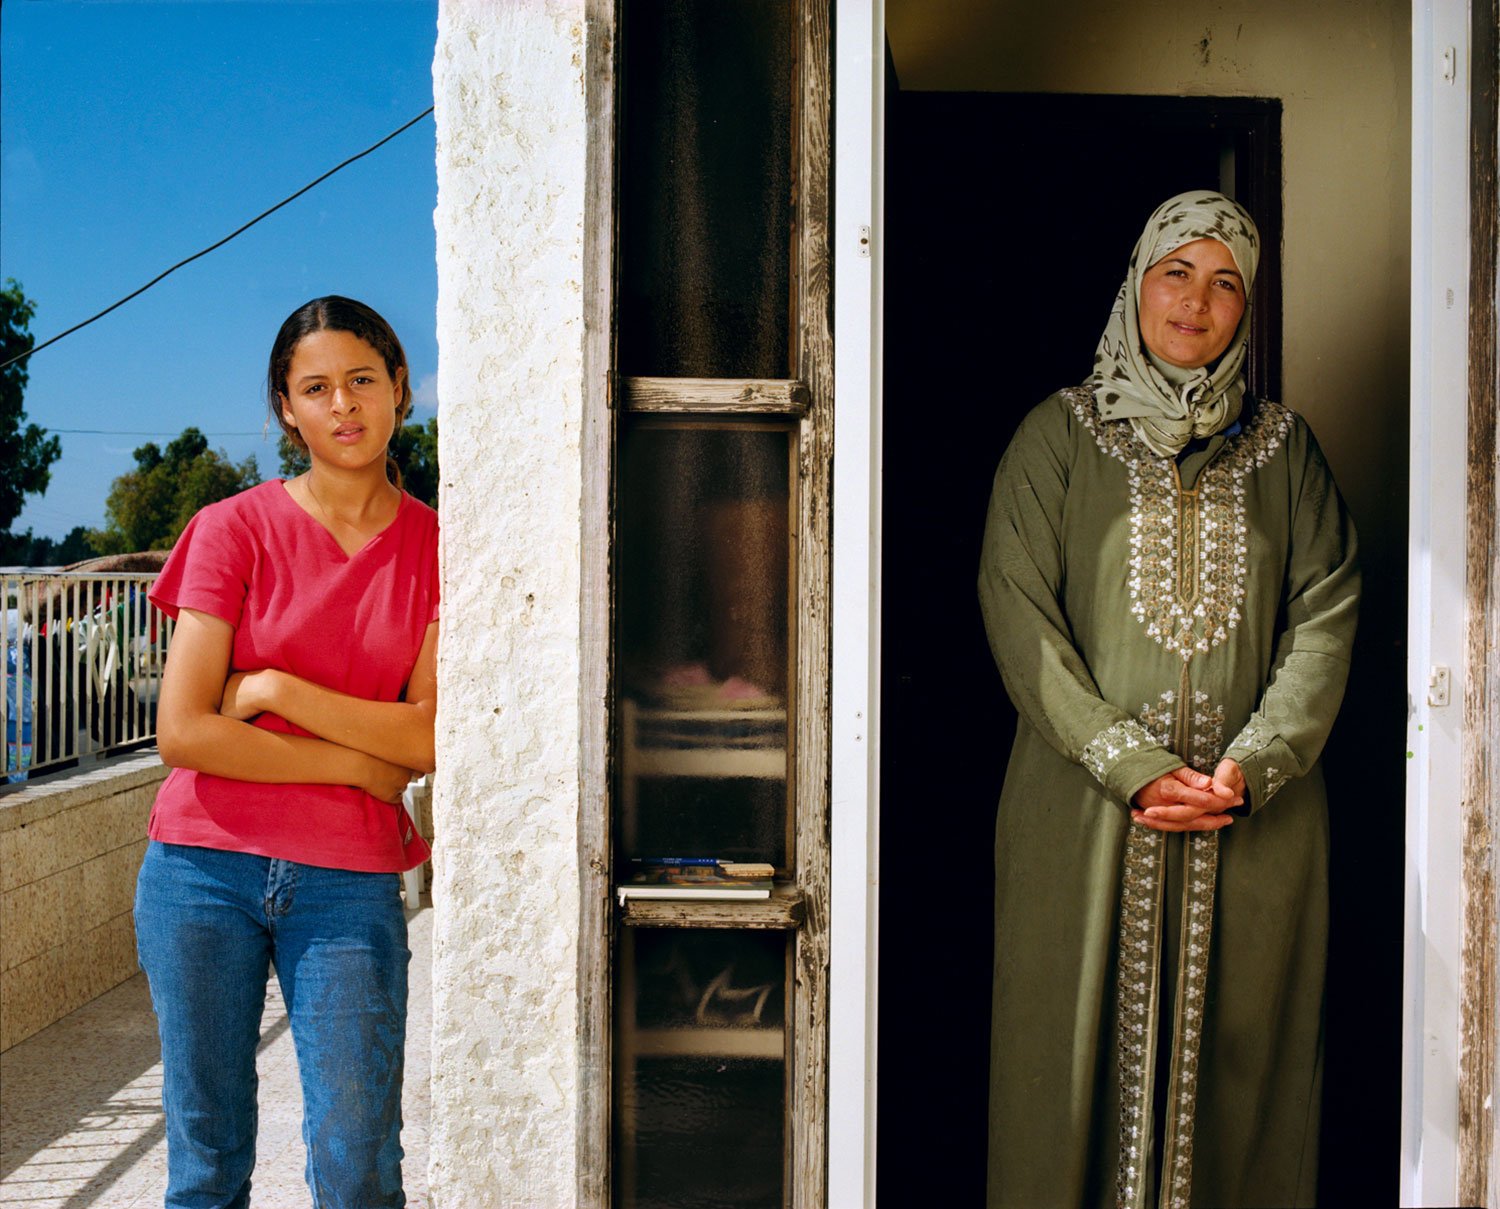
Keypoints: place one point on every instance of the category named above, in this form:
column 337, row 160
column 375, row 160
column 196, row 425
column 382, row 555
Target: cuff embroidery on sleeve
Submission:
column 1111, row 743
column 1255, row 736
column 1274, row 780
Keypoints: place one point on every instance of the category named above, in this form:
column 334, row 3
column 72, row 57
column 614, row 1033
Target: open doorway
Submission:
column 1003, row 254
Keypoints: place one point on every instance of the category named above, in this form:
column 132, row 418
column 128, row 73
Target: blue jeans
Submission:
column 208, row 926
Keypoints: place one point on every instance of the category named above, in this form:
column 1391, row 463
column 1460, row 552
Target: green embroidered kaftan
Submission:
column 1158, row 997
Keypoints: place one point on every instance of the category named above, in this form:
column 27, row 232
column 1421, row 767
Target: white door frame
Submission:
column 1439, row 367
column 1439, row 386
column 859, row 156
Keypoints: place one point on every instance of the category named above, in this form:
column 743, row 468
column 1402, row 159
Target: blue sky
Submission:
column 134, row 133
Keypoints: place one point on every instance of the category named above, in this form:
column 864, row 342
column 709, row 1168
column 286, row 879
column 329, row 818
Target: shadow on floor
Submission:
column 80, row 1103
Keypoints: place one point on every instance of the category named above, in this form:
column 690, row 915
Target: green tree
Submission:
column 24, row 550
column 26, row 451
column 73, row 548
column 148, row 507
column 414, row 448
column 294, row 461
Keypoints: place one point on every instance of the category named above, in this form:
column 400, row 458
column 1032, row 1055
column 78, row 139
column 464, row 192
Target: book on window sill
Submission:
column 698, row 878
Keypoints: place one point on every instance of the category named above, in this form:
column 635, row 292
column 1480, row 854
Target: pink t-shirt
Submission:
column 299, row 603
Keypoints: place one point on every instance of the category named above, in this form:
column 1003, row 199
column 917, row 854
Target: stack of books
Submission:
column 697, row 877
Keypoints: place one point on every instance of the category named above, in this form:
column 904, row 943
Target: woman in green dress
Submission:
column 1170, row 589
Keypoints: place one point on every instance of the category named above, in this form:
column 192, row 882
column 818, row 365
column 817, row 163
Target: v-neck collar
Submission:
column 328, row 534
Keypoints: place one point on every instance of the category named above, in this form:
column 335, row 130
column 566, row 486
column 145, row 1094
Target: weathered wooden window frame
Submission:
column 1479, row 1018
column 807, row 397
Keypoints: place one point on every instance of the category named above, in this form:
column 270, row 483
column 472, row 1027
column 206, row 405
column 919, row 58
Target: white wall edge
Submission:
column 1439, row 373
column 859, row 57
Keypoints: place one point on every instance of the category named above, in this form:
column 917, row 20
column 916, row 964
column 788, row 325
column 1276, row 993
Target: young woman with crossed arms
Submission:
column 298, row 700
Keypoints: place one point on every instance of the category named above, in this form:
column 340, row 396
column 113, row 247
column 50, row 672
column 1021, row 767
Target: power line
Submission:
column 214, row 247
column 127, row 432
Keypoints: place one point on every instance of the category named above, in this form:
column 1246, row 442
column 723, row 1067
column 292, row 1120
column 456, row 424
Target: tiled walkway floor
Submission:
column 80, row 1104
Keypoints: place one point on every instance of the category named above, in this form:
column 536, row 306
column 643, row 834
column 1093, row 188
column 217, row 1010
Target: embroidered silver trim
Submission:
column 1207, row 746
column 1160, row 719
column 1206, row 726
column 1110, row 744
column 1187, row 1033
column 1253, row 737
column 1138, row 986
column 1136, row 992
column 1188, row 550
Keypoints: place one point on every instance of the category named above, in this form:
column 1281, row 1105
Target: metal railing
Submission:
column 83, row 659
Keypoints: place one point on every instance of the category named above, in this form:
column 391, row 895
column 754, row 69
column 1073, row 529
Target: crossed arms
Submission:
column 203, row 715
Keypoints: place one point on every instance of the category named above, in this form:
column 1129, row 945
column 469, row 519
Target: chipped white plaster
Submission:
column 509, row 83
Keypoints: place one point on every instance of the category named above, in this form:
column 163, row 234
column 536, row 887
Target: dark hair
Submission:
column 335, row 314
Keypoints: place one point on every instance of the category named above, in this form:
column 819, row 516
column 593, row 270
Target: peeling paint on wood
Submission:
column 595, row 918
column 760, row 396
column 1481, row 767
column 813, row 357
column 785, row 910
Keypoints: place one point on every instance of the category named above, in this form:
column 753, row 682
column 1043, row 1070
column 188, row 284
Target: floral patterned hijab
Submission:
column 1166, row 405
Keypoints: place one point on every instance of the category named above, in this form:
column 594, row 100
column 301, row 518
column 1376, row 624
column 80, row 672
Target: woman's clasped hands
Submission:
column 1187, row 800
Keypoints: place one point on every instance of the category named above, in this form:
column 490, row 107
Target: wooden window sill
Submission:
column 731, row 396
column 784, row 910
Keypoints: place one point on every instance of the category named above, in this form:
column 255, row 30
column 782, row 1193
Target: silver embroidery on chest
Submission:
column 1189, row 550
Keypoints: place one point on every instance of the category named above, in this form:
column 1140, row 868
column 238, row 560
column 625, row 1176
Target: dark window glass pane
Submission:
column 704, row 549
column 700, row 1087
column 705, row 188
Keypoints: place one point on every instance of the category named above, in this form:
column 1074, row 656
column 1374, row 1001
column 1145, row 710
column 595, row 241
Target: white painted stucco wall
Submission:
column 509, row 84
